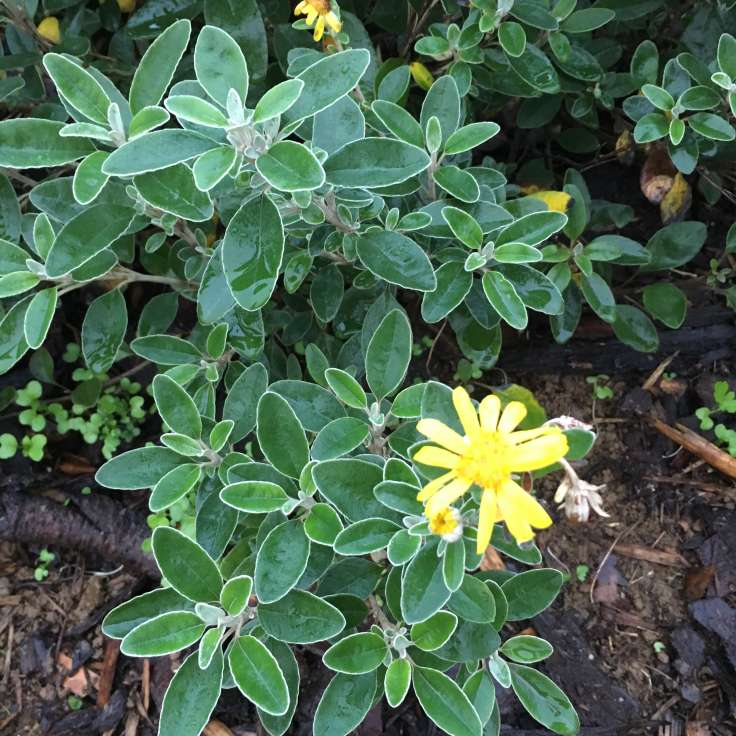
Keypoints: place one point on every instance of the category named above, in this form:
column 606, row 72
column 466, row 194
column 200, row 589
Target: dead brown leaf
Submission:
column 697, row 581
column 218, row 728
column 677, row 201
column 492, row 560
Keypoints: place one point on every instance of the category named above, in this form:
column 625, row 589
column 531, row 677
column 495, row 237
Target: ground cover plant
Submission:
column 228, row 232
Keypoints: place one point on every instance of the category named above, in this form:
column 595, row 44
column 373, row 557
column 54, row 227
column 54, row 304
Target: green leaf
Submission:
column 347, row 389
column 243, row 21
column 529, row 593
column 533, row 287
column 291, row 167
column 196, row 110
column 544, row 701
column 86, row 235
column 174, row 486
column 445, row 703
column 166, row 350
column 472, row 601
column 356, row 654
column 157, row 150
column 504, row 299
column 146, row 119
column 277, row 725
column 396, row 681
column 645, row 63
column 323, row 524
column 388, row 354
column 280, row 435
column 78, row 86
column 348, row 483
column 344, row 704
column 512, row 38
column 277, row 100
column 635, row 329
column 651, row 127
column 136, row 469
column 472, row 135
column 88, row 178
column 212, row 167
column 375, row 162
column 727, row 54
column 434, row 632
column 235, row 594
column 191, row 697
column 397, row 259
column 220, row 65
column 176, row 407
column 30, row 143
column 300, row 617
column 532, row 229
column 443, row 102
column 712, row 126
column 258, row 675
column 423, row 591
column 453, row 285
column 586, row 20
column 365, row 536
column 185, row 565
column 168, row 633
column 241, row 401
column 665, row 302
column 174, row 190
column 38, row 316
column 526, row 649
column 254, row 496
column 156, row 68
column 458, row 183
column 343, row 70
column 313, row 405
column 481, row 692
column 127, row 616
column 339, row 437
column 675, row 245
column 535, row 68
column 400, row 122
column 103, row 330
column 252, row 250
column 599, row 296
column 281, row 560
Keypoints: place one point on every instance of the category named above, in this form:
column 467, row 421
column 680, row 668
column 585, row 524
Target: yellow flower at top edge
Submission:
column 319, row 13
column 487, row 455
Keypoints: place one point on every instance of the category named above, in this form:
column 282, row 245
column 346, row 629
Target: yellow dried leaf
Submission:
column 48, row 28
column 677, row 201
column 556, row 201
column 421, row 75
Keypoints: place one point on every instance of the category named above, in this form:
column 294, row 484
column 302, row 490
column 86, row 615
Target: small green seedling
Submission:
column 45, row 558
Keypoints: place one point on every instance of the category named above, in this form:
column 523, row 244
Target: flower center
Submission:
column 486, row 461
column 443, row 522
column 321, row 6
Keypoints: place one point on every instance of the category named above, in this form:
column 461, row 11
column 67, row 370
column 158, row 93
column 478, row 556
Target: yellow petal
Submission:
column 441, row 434
column 319, row 29
column 334, row 22
column 311, row 15
column 524, row 435
column 436, row 457
column 487, row 520
column 301, row 9
column 489, row 410
column 519, row 506
column 538, row 453
column 513, row 414
column 434, row 485
column 443, row 498
column 466, row 412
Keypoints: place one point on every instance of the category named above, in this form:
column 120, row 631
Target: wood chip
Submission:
column 697, row 445
column 657, row 556
column 697, row 581
column 107, row 676
column 218, row 728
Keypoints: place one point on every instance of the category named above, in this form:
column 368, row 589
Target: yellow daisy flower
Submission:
column 447, row 524
column 321, row 12
column 487, row 456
